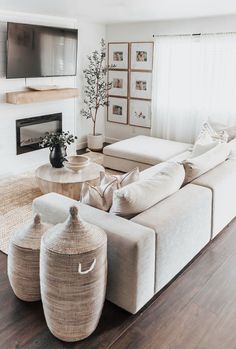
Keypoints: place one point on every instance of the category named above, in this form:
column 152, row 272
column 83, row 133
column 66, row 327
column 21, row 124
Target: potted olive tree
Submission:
column 95, row 93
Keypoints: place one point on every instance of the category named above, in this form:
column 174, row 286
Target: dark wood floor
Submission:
column 197, row 311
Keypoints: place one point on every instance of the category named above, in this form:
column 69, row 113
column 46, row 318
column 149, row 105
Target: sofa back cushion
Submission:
column 141, row 195
column 199, row 165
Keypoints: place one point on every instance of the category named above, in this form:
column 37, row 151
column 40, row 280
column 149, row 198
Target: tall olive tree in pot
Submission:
column 95, row 92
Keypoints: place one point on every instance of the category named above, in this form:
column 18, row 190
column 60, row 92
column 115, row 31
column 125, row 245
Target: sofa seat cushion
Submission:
column 145, row 149
column 222, row 181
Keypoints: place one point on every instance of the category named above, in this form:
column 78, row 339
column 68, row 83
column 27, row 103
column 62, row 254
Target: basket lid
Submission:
column 29, row 235
column 74, row 236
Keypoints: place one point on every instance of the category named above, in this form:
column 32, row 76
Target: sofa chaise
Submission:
column 146, row 252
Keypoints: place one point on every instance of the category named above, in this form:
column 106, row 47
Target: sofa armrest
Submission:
column 131, row 249
column 183, row 227
column 221, row 180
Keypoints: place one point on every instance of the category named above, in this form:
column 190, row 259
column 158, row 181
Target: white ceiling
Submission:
column 113, row 11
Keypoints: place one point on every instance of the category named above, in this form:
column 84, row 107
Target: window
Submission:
column 194, row 81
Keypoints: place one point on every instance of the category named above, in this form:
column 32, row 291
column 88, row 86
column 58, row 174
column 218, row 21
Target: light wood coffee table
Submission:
column 67, row 182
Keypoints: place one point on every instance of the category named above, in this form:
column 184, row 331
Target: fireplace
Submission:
column 30, row 130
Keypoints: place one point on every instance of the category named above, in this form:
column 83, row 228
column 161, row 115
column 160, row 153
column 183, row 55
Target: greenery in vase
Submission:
column 96, row 88
column 57, row 138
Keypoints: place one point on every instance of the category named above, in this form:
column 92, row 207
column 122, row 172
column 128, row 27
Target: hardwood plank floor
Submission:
column 197, row 311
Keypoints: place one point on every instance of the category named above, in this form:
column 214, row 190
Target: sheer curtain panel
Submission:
column 194, row 80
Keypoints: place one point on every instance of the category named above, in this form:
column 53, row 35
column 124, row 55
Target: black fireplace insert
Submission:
column 30, row 130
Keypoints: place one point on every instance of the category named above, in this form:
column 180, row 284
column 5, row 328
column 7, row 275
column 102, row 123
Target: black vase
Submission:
column 57, row 155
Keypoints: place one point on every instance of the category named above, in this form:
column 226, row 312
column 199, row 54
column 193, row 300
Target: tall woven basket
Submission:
column 73, row 274
column 23, row 260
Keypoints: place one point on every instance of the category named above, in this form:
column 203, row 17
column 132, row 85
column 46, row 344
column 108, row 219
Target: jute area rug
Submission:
column 17, row 194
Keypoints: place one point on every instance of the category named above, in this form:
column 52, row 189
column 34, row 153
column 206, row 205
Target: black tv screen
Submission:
column 37, row 51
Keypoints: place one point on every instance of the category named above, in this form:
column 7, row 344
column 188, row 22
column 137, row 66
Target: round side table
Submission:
column 66, row 182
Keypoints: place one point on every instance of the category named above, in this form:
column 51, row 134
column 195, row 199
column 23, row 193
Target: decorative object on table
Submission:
column 57, row 143
column 141, row 85
column 23, row 260
column 96, row 93
column 65, row 182
column 76, row 162
column 141, row 56
column 118, row 110
column 140, row 113
column 118, row 55
column 73, row 275
column 119, row 81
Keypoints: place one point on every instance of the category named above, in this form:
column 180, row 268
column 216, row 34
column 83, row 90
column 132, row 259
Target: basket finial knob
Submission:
column 74, row 212
column 37, row 219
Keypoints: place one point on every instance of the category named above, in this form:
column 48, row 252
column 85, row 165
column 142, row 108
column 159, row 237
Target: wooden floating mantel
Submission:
column 31, row 96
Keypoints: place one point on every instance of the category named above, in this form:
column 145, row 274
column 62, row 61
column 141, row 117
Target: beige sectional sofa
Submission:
column 148, row 251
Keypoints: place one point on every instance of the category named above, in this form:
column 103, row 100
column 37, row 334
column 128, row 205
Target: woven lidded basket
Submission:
column 23, row 260
column 73, row 274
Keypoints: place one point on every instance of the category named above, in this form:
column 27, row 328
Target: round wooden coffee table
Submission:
column 67, row 182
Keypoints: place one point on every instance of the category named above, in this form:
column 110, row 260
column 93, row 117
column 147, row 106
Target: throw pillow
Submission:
column 197, row 166
column 141, row 195
column 214, row 132
column 124, row 179
column 99, row 196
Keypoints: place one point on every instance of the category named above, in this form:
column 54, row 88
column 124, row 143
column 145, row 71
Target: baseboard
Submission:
column 111, row 140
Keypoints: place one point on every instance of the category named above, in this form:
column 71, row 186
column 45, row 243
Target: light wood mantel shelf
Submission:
column 30, row 96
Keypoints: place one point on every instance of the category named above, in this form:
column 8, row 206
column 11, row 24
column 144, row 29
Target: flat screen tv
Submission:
column 39, row 51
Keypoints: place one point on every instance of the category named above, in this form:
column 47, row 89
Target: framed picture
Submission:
column 141, row 55
column 117, row 110
column 118, row 55
column 140, row 113
column 141, row 85
column 119, row 80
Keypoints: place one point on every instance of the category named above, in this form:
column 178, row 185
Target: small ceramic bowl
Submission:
column 76, row 162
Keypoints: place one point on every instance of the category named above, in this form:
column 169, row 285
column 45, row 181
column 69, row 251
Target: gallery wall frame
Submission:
column 117, row 110
column 141, row 56
column 120, row 83
column 118, row 55
column 140, row 113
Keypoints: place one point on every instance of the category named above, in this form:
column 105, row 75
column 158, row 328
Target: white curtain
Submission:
column 194, row 81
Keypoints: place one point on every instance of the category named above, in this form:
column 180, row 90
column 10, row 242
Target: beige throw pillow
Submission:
column 99, row 196
column 139, row 196
column 211, row 132
column 124, row 179
column 195, row 167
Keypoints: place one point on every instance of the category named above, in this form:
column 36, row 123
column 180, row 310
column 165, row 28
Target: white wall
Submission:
column 143, row 31
column 89, row 37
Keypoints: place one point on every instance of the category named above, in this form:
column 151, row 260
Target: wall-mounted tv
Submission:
column 39, row 51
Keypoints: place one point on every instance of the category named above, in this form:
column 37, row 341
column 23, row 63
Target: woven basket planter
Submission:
column 73, row 274
column 23, row 260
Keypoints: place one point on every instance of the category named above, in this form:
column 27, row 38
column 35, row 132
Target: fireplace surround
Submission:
column 30, row 130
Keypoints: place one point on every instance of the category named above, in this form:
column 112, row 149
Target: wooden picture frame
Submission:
column 140, row 113
column 118, row 55
column 120, row 83
column 141, row 56
column 117, row 110
column 141, row 85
